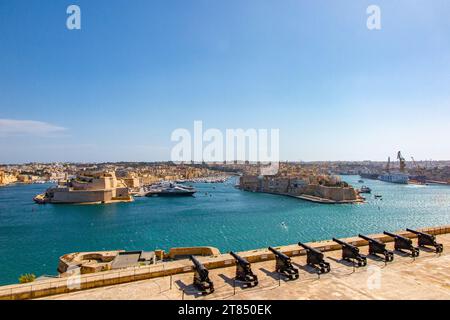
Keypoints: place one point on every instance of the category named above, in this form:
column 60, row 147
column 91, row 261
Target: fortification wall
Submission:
column 82, row 196
column 333, row 193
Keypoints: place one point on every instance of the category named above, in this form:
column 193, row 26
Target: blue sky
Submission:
column 137, row 70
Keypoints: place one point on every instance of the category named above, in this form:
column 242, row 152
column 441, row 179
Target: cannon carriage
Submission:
column 244, row 271
column 201, row 277
column 351, row 253
column 284, row 266
column 377, row 247
column 402, row 243
column 315, row 259
column 425, row 239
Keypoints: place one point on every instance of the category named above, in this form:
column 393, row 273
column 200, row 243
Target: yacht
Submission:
column 170, row 190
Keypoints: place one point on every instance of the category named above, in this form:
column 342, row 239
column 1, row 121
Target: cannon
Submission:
column 351, row 253
column 401, row 243
column 426, row 239
column 201, row 277
column 377, row 247
column 284, row 266
column 315, row 259
column 244, row 271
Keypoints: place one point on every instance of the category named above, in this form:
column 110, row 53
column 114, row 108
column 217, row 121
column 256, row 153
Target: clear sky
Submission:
column 137, row 70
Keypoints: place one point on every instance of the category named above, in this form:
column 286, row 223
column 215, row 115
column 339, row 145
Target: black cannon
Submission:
column 426, row 239
column 283, row 265
column 201, row 278
column 377, row 247
column 244, row 271
column 351, row 253
column 401, row 243
column 315, row 259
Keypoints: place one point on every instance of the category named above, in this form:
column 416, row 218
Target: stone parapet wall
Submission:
column 198, row 251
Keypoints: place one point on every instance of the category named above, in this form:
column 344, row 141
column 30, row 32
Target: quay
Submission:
column 400, row 279
column 328, row 201
column 317, row 199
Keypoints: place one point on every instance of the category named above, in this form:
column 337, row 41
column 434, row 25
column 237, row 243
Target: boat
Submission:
column 361, row 181
column 170, row 190
column 40, row 198
column 365, row 189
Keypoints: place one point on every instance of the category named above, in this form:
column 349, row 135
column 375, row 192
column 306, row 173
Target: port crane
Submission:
column 402, row 161
column 420, row 169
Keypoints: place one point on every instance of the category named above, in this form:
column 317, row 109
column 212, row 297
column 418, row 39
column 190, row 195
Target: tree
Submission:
column 27, row 277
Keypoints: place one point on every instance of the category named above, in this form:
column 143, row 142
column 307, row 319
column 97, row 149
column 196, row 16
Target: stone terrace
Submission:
column 426, row 277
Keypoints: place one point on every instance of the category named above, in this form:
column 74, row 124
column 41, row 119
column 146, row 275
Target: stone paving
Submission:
column 425, row 277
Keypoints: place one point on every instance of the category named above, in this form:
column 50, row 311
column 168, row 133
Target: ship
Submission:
column 400, row 178
column 395, row 177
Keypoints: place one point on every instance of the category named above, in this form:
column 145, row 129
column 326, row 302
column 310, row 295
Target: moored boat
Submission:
column 40, row 198
column 365, row 189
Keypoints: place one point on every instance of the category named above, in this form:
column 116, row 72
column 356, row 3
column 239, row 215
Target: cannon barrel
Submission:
column 309, row 248
column 279, row 254
column 239, row 259
column 370, row 239
column 201, row 277
column 421, row 233
column 397, row 236
column 199, row 266
column 345, row 244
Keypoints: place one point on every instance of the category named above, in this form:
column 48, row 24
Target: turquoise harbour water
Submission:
column 32, row 236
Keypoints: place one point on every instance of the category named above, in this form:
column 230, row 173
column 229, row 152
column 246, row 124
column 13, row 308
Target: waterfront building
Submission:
column 131, row 180
column 88, row 187
column 6, row 178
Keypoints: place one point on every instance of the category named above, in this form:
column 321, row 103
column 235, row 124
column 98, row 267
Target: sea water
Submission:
column 33, row 237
